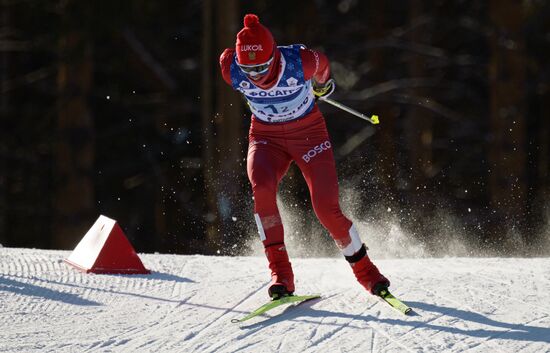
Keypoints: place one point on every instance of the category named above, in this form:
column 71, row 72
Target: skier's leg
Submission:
column 365, row 271
column 321, row 179
column 316, row 160
column 266, row 165
column 282, row 277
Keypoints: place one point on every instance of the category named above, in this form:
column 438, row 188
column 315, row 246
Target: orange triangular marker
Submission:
column 105, row 249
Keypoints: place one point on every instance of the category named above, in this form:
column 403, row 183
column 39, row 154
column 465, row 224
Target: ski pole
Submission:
column 373, row 119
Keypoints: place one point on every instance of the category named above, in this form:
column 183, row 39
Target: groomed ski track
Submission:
column 187, row 303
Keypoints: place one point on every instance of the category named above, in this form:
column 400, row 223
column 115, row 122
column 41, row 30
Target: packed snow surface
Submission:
column 187, row 303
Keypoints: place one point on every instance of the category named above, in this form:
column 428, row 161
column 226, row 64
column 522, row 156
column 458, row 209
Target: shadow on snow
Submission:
column 509, row 331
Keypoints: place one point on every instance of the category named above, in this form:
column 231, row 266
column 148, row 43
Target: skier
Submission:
column 281, row 85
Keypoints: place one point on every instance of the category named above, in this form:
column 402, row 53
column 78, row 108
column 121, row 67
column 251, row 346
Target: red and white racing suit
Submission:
column 273, row 146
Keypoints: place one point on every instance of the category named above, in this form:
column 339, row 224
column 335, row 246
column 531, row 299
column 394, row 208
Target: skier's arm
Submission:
column 225, row 64
column 316, row 67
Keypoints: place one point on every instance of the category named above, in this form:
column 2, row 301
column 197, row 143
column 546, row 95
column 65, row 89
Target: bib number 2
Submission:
column 274, row 110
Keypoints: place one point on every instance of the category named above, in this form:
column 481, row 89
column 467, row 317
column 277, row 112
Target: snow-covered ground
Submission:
column 187, row 303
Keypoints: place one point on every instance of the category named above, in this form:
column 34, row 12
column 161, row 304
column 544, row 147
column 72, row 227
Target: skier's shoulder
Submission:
column 291, row 48
column 301, row 48
column 307, row 55
column 227, row 56
column 295, row 51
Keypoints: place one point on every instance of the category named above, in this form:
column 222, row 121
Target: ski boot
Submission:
column 282, row 277
column 367, row 273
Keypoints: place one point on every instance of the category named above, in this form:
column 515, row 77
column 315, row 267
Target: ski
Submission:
column 276, row 303
column 397, row 304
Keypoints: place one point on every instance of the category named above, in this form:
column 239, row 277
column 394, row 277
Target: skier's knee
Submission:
column 264, row 190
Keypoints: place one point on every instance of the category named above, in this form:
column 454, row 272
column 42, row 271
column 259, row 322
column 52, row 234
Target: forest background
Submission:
column 118, row 108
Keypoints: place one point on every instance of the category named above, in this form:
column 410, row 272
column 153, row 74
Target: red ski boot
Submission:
column 366, row 272
column 282, row 277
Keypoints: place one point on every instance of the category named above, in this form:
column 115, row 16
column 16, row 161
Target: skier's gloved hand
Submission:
column 323, row 90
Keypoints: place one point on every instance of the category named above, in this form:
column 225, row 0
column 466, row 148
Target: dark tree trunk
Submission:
column 4, row 116
column 229, row 123
column 419, row 121
column 222, row 128
column 386, row 163
column 74, row 150
column 507, row 79
column 208, row 142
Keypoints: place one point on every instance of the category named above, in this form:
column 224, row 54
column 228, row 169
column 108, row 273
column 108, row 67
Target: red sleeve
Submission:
column 316, row 65
column 225, row 64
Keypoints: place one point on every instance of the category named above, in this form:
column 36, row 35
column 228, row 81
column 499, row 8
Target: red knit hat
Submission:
column 254, row 42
